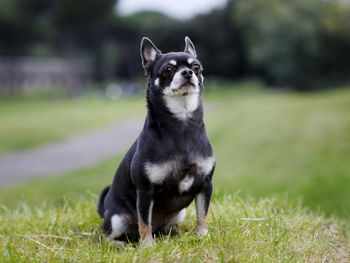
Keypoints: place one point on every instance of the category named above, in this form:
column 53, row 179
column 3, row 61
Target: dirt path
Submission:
column 76, row 152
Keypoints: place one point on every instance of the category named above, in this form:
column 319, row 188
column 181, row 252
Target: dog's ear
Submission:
column 149, row 52
column 189, row 47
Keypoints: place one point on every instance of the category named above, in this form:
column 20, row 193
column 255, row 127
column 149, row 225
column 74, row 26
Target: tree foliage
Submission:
column 291, row 43
column 294, row 43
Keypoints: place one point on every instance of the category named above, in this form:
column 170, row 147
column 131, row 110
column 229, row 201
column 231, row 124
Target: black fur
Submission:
column 164, row 137
column 100, row 208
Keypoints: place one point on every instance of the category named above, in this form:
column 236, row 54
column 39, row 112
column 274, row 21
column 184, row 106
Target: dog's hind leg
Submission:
column 178, row 218
column 172, row 225
column 114, row 227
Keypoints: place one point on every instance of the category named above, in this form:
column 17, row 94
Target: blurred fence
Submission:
column 26, row 74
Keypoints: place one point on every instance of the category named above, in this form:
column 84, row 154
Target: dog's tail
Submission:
column 101, row 208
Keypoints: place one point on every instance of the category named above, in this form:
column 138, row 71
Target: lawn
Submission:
column 241, row 230
column 266, row 143
column 31, row 121
column 273, row 146
column 272, row 143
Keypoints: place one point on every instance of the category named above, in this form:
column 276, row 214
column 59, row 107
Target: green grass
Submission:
column 248, row 230
column 266, row 144
column 29, row 122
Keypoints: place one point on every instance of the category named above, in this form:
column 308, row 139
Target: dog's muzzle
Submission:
column 187, row 73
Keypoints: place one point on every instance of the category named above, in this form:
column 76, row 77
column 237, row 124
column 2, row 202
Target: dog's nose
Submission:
column 187, row 73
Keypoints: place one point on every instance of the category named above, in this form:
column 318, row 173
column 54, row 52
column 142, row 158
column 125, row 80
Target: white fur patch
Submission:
column 156, row 82
column 182, row 107
column 185, row 184
column 118, row 227
column 206, row 164
column 158, row 172
column 178, row 218
column 177, row 88
column 172, row 62
column 190, row 61
column 180, row 99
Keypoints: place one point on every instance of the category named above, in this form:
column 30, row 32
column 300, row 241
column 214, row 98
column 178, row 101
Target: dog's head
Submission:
column 174, row 78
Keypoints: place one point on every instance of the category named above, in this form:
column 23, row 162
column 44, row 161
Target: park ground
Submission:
column 281, row 186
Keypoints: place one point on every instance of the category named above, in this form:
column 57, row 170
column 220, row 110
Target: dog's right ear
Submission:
column 149, row 52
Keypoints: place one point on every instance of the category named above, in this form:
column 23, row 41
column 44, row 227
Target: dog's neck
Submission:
column 182, row 107
column 175, row 112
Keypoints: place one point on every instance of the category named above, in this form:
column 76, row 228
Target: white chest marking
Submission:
column 206, row 164
column 185, row 184
column 157, row 172
column 182, row 106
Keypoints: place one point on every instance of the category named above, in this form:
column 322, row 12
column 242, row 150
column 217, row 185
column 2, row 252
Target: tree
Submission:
column 288, row 42
column 70, row 26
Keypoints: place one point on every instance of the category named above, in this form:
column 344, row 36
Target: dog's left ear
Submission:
column 149, row 52
column 189, row 47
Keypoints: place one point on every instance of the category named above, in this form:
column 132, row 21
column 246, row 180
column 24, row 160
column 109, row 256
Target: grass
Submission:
column 266, row 143
column 248, row 230
column 29, row 122
column 271, row 142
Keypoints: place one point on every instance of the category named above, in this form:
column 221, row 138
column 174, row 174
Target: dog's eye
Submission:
column 168, row 71
column 196, row 68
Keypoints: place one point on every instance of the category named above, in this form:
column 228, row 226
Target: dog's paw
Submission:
column 118, row 244
column 202, row 232
column 147, row 241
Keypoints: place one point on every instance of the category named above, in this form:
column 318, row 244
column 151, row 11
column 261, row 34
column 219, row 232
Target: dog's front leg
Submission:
column 202, row 206
column 144, row 212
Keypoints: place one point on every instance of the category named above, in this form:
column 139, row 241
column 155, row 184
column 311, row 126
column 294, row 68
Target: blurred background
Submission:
column 277, row 94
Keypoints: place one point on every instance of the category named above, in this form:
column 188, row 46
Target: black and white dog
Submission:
column 171, row 162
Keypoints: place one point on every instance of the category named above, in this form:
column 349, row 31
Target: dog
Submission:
column 172, row 162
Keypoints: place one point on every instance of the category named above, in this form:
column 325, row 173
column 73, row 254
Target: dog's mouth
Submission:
column 188, row 83
column 181, row 87
column 185, row 89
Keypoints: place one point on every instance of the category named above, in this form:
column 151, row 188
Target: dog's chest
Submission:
column 183, row 172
